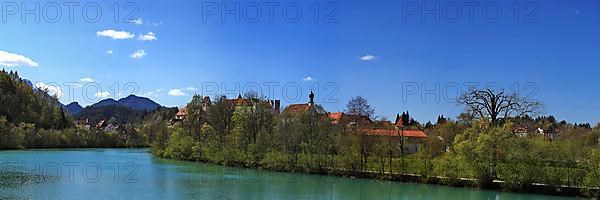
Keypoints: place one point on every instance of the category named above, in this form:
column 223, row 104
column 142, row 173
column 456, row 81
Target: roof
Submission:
column 399, row 121
column 396, row 133
column 294, row 108
column 100, row 124
column 340, row 117
column 240, row 101
column 336, row 117
column 387, row 123
column 182, row 112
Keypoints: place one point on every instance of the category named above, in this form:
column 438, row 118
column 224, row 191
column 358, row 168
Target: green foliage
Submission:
column 592, row 166
column 180, row 146
column 275, row 160
column 482, row 146
column 22, row 103
column 450, row 166
column 113, row 114
column 9, row 139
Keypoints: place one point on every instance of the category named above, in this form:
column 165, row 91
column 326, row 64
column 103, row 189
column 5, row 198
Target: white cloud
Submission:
column 53, row 90
column 157, row 23
column 13, row 60
column 102, row 94
column 137, row 21
column 73, row 84
column 109, row 52
column 150, row 36
column 176, row 92
column 154, row 93
column 138, row 54
column 191, row 88
column 115, row 35
column 308, row 78
column 148, row 94
column 87, row 79
column 368, row 57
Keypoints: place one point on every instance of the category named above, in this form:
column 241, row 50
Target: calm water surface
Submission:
column 135, row 174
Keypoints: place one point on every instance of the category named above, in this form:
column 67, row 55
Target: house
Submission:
column 521, row 131
column 297, row 108
column 101, row 125
column 548, row 134
column 413, row 139
column 238, row 103
column 251, row 103
column 340, row 118
column 83, row 124
column 181, row 114
column 111, row 127
column 206, row 103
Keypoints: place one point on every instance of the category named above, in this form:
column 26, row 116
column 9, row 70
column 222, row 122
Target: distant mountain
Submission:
column 114, row 114
column 139, row 103
column 106, row 102
column 132, row 101
column 73, row 108
column 130, row 109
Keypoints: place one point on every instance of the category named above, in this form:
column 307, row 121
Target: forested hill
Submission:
column 30, row 118
column 21, row 103
column 113, row 114
column 129, row 110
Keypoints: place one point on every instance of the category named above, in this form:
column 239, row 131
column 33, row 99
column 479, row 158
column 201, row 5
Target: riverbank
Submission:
column 497, row 185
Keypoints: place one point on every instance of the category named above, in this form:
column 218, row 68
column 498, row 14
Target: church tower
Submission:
column 311, row 98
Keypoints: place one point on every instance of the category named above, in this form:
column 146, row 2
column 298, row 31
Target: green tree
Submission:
column 592, row 165
column 10, row 138
column 482, row 146
column 180, row 145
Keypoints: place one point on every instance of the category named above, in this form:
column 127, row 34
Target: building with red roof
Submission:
column 182, row 114
column 413, row 139
column 237, row 103
column 398, row 133
column 303, row 107
column 340, row 118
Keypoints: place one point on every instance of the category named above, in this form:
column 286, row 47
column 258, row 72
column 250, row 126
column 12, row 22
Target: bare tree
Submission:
column 360, row 106
column 496, row 105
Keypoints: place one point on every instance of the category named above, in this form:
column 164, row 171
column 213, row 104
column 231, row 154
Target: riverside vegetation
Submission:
column 469, row 147
column 479, row 144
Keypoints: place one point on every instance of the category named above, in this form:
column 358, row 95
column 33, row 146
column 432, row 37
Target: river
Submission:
column 136, row 174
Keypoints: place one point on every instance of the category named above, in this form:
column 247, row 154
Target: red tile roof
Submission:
column 399, row 123
column 396, row 133
column 182, row 112
column 340, row 117
column 240, row 101
column 336, row 117
column 294, row 108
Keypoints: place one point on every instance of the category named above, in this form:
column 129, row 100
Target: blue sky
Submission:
column 365, row 48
